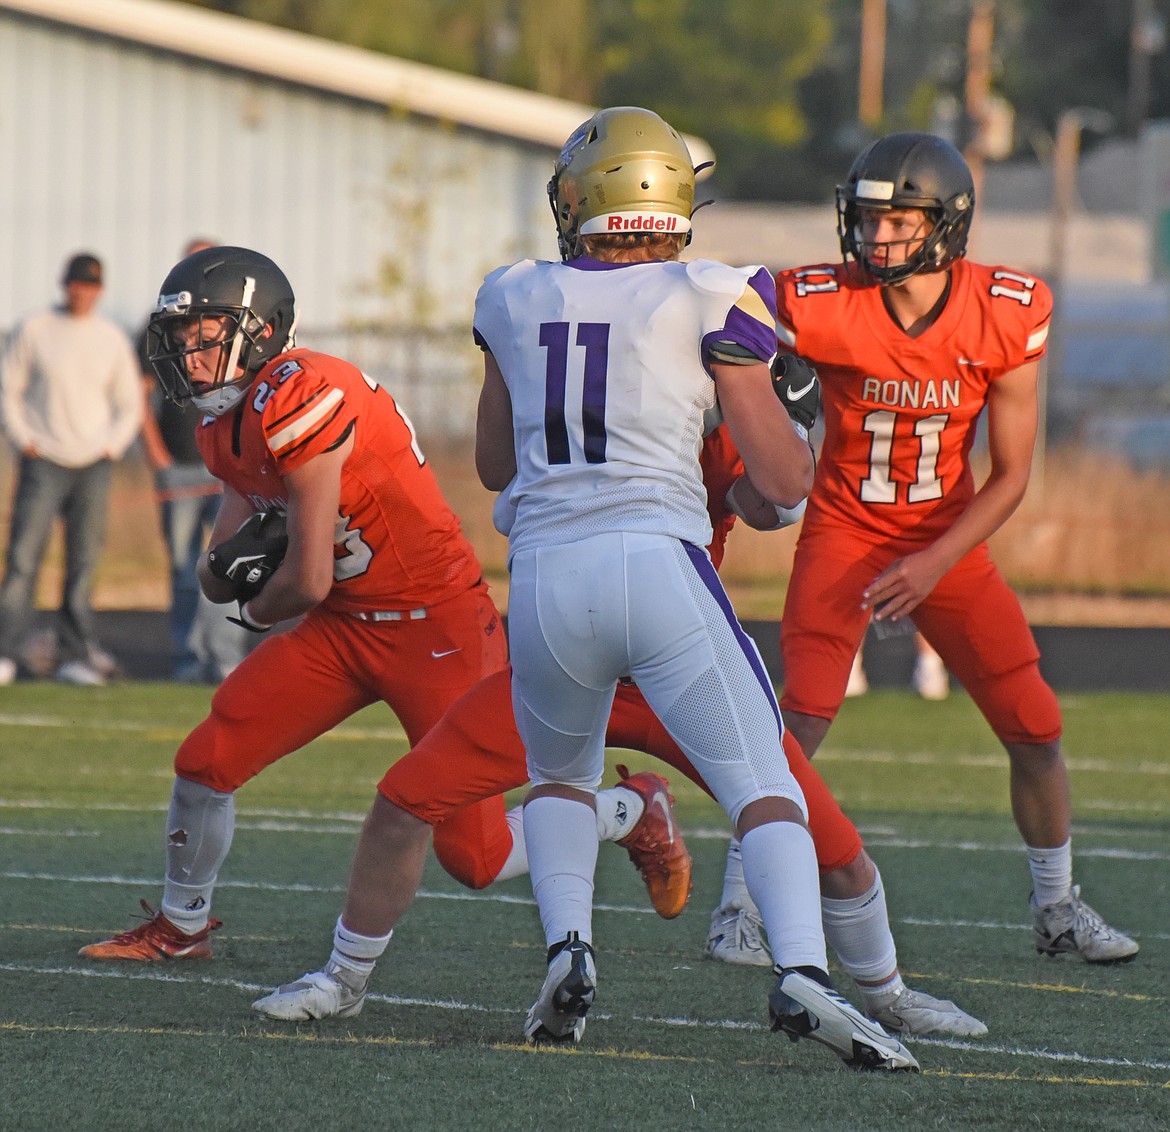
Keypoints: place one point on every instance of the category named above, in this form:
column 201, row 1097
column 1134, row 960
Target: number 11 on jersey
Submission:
column 593, row 338
column 879, row 485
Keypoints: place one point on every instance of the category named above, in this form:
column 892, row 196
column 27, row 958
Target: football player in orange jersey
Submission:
column 394, row 603
column 475, row 752
column 912, row 341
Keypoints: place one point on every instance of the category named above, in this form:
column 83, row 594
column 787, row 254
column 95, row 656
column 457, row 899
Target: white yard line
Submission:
column 163, row 730
column 346, row 824
column 975, row 1048
column 462, row 895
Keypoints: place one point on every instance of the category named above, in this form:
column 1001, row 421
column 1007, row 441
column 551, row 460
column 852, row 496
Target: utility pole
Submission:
column 1065, row 156
column 980, row 37
column 1147, row 37
column 873, row 63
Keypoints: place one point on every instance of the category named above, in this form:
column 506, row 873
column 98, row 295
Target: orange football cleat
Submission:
column 156, row 939
column 655, row 844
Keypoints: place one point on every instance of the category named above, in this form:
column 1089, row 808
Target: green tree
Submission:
column 729, row 71
column 529, row 43
column 1073, row 53
column 772, row 84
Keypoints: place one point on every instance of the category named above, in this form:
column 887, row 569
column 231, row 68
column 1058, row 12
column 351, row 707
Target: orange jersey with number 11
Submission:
column 900, row 412
column 397, row 545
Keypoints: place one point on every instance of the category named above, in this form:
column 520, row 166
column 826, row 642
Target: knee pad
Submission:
column 1019, row 705
column 469, row 865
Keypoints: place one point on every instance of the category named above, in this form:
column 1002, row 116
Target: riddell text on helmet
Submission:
column 643, row 223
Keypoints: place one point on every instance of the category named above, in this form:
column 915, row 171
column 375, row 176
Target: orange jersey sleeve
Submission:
column 900, row 412
column 397, row 544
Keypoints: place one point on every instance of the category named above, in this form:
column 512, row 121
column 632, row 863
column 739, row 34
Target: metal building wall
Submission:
column 381, row 221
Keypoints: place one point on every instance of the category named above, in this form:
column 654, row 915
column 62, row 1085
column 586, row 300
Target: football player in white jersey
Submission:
column 602, row 373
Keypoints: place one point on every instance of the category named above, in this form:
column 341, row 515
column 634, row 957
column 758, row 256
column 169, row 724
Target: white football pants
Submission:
column 584, row 614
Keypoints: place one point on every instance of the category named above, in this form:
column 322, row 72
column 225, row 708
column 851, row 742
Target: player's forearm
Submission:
column 745, row 500
column 781, row 472
column 293, row 590
column 277, row 603
column 778, row 460
column 992, row 506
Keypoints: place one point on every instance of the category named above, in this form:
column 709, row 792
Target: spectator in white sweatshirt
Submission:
column 70, row 404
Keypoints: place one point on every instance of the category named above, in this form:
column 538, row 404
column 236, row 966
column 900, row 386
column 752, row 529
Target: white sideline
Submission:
column 480, row 1008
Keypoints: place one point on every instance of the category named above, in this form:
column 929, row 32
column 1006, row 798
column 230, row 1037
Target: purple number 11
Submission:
column 594, row 337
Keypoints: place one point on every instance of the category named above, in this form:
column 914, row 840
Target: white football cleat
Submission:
column 915, row 1012
column 558, row 1014
column 329, row 993
column 1071, row 927
column 930, row 679
column 802, row 1008
column 736, row 937
column 80, row 674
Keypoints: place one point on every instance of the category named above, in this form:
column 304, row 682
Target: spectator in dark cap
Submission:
column 84, row 268
column 70, row 404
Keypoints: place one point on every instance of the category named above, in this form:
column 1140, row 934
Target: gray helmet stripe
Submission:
column 238, row 341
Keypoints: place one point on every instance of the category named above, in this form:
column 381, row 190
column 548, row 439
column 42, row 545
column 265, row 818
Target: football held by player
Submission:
column 912, row 342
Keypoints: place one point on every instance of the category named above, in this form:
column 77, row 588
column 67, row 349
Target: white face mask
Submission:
column 219, row 400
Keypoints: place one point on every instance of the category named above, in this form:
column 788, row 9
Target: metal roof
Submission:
column 321, row 64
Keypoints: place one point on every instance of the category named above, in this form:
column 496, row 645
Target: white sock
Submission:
column 619, row 809
column 858, row 930
column 561, row 836
column 735, row 893
column 516, row 864
column 355, row 952
column 187, row 906
column 616, row 816
column 780, row 868
column 1051, row 872
column 874, row 996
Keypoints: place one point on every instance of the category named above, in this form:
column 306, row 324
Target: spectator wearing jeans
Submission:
column 205, row 645
column 70, row 405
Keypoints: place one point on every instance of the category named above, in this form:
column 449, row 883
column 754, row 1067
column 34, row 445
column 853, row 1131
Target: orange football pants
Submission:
column 972, row 619
column 455, row 778
column 295, row 686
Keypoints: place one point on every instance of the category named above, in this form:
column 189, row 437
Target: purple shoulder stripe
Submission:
column 765, row 286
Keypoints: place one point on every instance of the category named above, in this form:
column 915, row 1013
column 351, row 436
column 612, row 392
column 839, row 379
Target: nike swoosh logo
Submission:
column 436, row 655
column 659, row 798
column 797, row 394
column 968, row 362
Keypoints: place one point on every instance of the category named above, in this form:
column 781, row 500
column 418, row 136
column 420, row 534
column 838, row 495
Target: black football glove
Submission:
column 798, row 387
column 250, row 557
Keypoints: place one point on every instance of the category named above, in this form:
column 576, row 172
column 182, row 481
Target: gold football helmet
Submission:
column 624, row 170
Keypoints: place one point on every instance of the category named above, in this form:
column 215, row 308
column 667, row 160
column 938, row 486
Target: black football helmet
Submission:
column 239, row 285
column 908, row 170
